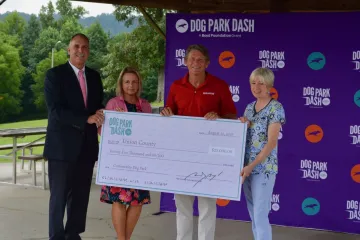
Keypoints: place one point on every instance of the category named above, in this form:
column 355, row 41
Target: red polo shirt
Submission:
column 211, row 96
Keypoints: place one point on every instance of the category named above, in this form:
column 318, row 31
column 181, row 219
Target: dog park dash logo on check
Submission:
column 120, row 126
column 310, row 206
column 316, row 61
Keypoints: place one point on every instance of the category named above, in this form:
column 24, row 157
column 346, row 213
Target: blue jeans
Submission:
column 258, row 189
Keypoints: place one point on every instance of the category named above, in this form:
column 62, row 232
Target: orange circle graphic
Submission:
column 227, row 59
column 274, row 93
column 222, row 202
column 314, row 133
column 355, row 173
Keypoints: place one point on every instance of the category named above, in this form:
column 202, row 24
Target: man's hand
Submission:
column 245, row 172
column 167, row 112
column 97, row 118
column 245, row 120
column 211, row 116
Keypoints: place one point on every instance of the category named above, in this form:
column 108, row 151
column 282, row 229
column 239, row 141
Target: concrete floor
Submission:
column 24, row 215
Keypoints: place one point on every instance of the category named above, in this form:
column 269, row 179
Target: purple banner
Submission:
column 316, row 61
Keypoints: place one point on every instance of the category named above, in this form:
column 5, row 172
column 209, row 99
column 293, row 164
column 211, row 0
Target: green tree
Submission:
column 15, row 24
column 67, row 12
column 13, row 27
column 68, row 29
column 10, row 80
column 150, row 55
column 11, row 40
column 43, row 46
column 134, row 49
column 46, row 16
column 98, row 42
column 129, row 14
column 31, row 33
column 60, row 57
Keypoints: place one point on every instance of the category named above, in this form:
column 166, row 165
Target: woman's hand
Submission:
column 245, row 120
column 245, row 172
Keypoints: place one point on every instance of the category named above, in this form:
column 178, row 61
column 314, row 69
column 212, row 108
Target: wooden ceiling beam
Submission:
column 241, row 5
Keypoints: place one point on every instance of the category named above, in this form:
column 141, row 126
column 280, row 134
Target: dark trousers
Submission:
column 70, row 184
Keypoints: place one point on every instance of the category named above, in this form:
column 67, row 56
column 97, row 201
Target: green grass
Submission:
column 157, row 104
column 26, row 124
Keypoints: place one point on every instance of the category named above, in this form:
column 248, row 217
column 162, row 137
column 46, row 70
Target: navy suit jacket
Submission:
column 69, row 136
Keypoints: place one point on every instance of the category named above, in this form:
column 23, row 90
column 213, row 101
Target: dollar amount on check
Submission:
column 182, row 155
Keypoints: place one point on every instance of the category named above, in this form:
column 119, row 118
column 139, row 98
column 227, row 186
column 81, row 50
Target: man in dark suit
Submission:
column 74, row 95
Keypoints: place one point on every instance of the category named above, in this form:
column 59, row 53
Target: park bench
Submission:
column 35, row 158
column 23, row 146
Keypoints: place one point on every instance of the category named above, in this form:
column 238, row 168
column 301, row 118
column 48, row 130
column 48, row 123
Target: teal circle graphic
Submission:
column 128, row 132
column 316, row 60
column 357, row 98
column 311, row 206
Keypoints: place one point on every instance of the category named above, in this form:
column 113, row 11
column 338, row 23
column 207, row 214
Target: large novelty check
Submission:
column 182, row 155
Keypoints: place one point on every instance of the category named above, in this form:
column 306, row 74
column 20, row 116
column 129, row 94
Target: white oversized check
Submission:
column 183, row 155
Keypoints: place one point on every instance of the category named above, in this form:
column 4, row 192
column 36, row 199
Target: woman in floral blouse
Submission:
column 126, row 203
column 265, row 116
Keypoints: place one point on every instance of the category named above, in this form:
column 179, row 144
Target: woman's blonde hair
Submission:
column 119, row 90
column 266, row 75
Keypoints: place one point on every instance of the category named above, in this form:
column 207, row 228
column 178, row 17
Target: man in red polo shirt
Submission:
column 198, row 94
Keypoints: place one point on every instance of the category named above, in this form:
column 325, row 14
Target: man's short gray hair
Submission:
column 200, row 48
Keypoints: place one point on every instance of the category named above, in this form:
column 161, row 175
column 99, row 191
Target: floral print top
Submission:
column 257, row 135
